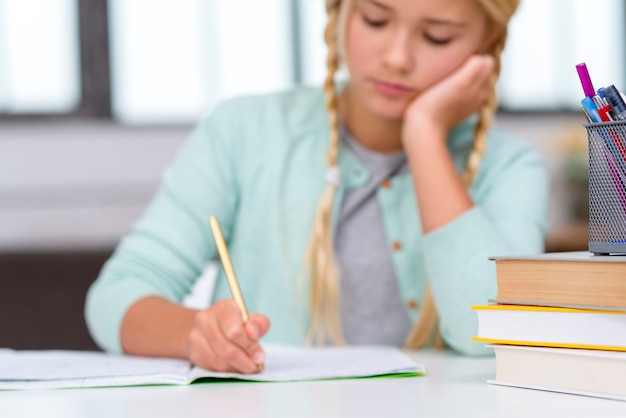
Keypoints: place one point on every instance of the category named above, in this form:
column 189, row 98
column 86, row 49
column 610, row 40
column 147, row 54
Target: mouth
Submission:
column 392, row 89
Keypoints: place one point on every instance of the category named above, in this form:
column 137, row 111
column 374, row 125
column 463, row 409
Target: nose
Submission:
column 398, row 54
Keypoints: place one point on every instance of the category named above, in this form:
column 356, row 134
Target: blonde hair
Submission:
column 498, row 12
column 320, row 257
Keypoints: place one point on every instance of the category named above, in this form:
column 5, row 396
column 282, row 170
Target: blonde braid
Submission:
column 485, row 118
column 423, row 330
column 320, row 257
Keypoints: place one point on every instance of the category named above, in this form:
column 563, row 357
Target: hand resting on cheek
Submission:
column 447, row 103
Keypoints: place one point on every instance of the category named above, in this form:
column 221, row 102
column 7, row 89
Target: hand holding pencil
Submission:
column 224, row 337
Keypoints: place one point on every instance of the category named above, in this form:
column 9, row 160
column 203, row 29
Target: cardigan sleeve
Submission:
column 170, row 245
column 510, row 197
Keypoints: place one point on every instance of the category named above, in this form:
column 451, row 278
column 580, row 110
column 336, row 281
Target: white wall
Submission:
column 81, row 185
column 77, row 185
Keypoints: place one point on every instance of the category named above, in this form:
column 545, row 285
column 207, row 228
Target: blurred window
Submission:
column 171, row 60
column 39, row 60
column 547, row 40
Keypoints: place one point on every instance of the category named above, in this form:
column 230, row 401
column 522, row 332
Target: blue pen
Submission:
column 615, row 100
column 591, row 109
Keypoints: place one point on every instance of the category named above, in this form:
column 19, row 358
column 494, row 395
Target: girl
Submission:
column 380, row 236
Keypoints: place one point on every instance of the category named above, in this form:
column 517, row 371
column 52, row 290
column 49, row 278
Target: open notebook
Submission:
column 79, row 369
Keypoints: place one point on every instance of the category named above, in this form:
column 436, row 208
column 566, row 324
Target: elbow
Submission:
column 100, row 323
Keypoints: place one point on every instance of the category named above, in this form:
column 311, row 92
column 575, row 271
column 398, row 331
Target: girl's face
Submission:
column 395, row 49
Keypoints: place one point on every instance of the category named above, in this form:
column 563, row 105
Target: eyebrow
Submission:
column 430, row 21
column 382, row 6
column 441, row 22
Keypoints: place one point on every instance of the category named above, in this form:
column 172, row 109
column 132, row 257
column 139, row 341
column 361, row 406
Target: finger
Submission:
column 257, row 326
column 201, row 354
column 236, row 347
column 212, row 346
column 233, row 355
column 480, row 67
column 257, row 354
column 233, row 328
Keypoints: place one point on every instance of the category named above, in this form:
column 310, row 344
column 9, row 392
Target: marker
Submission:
column 592, row 109
column 585, row 80
column 615, row 100
column 604, row 113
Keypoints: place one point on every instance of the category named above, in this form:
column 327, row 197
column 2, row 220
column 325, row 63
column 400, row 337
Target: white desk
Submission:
column 454, row 387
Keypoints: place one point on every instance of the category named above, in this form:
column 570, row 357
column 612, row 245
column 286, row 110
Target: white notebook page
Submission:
column 70, row 369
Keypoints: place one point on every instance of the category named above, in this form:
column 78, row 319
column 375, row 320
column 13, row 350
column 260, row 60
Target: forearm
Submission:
column 154, row 326
column 441, row 194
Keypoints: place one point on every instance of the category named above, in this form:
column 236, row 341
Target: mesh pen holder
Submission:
column 607, row 187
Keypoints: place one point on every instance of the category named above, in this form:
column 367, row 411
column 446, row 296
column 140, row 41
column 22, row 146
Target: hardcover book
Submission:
column 551, row 327
column 582, row 372
column 568, row 279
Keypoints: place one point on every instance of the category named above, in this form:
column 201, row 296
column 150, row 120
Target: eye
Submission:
column 437, row 41
column 374, row 22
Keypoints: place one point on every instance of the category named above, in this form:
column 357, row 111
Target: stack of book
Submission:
column 558, row 323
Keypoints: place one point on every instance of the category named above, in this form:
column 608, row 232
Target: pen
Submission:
column 229, row 270
column 601, row 94
column 615, row 100
column 587, row 115
column 604, row 113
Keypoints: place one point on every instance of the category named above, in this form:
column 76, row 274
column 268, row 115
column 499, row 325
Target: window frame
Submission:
column 95, row 74
column 95, row 71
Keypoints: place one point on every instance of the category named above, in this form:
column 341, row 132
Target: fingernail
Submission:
column 258, row 357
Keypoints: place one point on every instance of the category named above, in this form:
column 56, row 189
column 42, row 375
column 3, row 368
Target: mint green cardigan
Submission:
column 258, row 164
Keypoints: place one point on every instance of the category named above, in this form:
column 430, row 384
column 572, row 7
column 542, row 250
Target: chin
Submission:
column 388, row 109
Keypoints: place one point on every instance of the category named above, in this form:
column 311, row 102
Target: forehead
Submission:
column 461, row 11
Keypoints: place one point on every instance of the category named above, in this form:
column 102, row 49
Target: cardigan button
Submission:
column 396, row 245
column 412, row 304
column 385, row 184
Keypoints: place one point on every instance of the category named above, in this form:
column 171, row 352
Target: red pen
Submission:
column 604, row 113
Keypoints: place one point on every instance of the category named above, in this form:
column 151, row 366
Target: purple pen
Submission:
column 585, row 80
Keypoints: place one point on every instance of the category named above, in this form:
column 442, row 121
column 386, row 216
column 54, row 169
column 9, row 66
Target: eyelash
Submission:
column 374, row 23
column 377, row 24
column 437, row 41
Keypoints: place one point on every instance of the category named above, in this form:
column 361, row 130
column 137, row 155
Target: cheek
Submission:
column 440, row 64
column 359, row 47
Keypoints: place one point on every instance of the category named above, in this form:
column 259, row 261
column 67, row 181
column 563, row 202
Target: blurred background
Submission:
column 96, row 97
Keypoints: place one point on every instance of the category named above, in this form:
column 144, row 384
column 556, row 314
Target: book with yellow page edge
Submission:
column 594, row 373
column 551, row 327
column 576, row 279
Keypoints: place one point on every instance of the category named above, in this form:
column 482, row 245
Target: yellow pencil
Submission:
column 228, row 266
column 229, row 270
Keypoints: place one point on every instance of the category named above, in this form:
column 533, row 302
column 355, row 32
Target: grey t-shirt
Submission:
column 372, row 311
